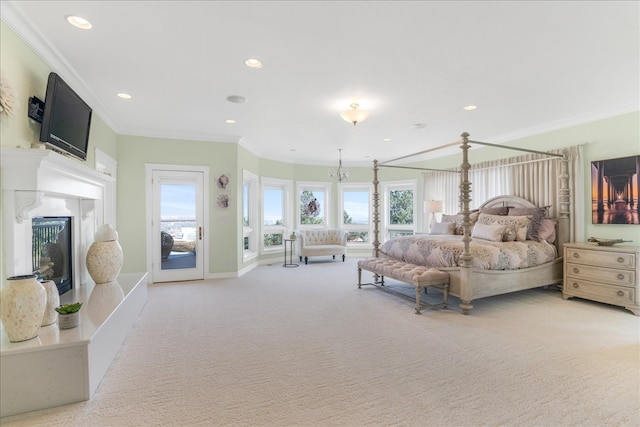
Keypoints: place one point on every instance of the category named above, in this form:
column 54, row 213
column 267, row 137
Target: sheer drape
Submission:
column 532, row 176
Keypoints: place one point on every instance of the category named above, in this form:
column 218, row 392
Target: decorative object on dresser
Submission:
column 104, row 257
column 607, row 242
column 600, row 273
column 22, row 304
column 53, row 301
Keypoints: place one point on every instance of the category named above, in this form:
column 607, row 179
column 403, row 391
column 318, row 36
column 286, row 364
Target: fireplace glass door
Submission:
column 51, row 250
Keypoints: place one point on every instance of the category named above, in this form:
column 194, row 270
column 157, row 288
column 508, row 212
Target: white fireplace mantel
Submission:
column 49, row 172
column 45, row 183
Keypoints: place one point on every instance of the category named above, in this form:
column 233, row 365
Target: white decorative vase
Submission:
column 104, row 257
column 22, row 304
column 53, row 301
column 68, row 321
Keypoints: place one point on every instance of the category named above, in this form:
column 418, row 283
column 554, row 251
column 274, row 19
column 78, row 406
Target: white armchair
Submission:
column 321, row 242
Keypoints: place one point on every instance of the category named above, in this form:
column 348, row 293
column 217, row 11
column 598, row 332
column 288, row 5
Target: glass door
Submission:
column 178, row 226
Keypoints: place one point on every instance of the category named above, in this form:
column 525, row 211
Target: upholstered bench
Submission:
column 419, row 276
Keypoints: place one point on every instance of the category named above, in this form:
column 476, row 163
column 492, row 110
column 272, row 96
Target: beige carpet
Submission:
column 305, row 347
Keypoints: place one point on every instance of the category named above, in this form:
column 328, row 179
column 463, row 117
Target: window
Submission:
column 355, row 218
column 313, row 206
column 399, row 209
column 275, row 213
column 249, row 215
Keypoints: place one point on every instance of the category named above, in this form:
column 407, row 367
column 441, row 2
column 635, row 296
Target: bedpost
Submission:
column 376, row 211
column 466, row 257
column 564, row 232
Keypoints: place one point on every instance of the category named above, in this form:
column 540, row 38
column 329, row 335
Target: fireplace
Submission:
column 51, row 250
column 56, row 203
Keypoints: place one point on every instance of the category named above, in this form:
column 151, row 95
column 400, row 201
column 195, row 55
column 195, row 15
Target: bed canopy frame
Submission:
column 466, row 283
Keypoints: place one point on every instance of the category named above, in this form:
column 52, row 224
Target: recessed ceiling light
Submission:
column 236, row 99
column 253, row 63
column 123, row 95
column 417, row 126
column 230, row 121
column 79, row 22
column 386, row 139
column 470, row 107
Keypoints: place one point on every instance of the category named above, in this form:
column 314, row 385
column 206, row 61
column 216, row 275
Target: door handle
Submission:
column 199, row 233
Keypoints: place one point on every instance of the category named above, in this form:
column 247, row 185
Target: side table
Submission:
column 289, row 243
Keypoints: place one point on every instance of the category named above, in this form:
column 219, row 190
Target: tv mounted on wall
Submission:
column 66, row 119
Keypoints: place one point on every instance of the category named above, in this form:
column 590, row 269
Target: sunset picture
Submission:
column 614, row 190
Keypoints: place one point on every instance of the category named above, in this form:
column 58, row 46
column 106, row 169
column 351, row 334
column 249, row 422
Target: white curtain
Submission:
column 532, row 176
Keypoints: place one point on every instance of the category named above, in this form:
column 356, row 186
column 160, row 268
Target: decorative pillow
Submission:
column 457, row 220
column 537, row 215
column 443, row 228
column 509, row 235
column 504, row 210
column 473, row 216
column 519, row 224
column 548, row 230
column 492, row 232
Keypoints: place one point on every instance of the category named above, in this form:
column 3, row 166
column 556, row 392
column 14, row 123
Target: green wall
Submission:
column 134, row 153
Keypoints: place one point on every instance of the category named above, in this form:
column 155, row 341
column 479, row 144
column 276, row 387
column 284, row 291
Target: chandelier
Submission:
column 341, row 174
column 354, row 115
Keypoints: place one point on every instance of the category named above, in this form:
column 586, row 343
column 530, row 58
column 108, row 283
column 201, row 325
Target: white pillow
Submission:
column 492, row 232
column 442, row 228
column 519, row 224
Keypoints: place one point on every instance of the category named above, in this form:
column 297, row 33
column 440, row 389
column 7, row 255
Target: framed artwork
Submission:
column 614, row 190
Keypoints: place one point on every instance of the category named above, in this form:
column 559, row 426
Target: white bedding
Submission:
column 445, row 250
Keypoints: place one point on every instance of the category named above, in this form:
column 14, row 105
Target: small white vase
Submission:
column 104, row 257
column 22, row 304
column 53, row 301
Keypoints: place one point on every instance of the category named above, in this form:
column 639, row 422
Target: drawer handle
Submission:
column 576, row 270
column 575, row 285
column 576, row 255
column 620, row 259
column 620, row 293
column 620, row 276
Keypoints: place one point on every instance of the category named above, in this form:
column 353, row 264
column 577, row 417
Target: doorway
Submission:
column 178, row 243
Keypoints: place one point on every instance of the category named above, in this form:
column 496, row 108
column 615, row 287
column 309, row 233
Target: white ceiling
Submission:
column 528, row 66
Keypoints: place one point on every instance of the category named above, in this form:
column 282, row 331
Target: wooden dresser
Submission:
column 606, row 274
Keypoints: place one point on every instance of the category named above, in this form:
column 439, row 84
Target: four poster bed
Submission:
column 479, row 265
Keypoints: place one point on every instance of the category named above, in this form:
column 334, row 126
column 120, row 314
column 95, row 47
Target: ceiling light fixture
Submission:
column 354, row 115
column 339, row 175
column 417, row 126
column 236, row 99
column 79, row 22
column 230, row 121
column 253, row 63
column 470, row 107
column 123, row 95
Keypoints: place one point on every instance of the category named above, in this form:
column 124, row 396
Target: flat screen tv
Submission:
column 66, row 119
